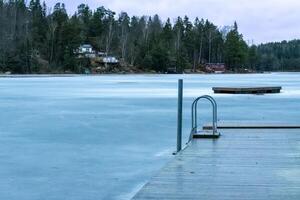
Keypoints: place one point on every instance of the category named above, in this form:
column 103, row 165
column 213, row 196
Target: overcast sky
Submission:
column 258, row 20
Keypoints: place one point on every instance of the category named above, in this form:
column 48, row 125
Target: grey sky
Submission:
column 260, row 20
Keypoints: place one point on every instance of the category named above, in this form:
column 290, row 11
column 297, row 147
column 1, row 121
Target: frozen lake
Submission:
column 103, row 137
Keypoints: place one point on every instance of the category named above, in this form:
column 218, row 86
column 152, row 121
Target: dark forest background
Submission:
column 36, row 39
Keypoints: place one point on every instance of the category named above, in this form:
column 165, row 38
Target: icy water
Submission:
column 103, row 137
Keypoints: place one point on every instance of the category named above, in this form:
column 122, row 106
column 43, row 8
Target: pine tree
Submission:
column 235, row 49
column 32, row 40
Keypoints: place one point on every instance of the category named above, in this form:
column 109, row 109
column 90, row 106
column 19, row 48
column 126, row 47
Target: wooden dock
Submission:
column 244, row 164
column 251, row 125
column 247, row 90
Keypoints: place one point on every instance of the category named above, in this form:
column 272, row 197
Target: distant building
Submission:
column 215, row 67
column 110, row 60
column 86, row 50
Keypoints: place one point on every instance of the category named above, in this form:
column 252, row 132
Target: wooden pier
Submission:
column 251, row 125
column 247, row 90
column 247, row 164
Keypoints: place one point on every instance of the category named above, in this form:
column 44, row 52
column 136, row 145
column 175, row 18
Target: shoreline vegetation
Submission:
column 3, row 75
column 35, row 39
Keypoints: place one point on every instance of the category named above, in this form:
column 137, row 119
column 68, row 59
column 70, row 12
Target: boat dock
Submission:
column 242, row 161
column 256, row 164
column 247, row 90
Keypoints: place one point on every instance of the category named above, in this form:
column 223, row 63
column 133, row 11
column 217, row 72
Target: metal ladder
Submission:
column 213, row 134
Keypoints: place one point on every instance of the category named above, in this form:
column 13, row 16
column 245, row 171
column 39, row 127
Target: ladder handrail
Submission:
column 194, row 113
column 195, row 103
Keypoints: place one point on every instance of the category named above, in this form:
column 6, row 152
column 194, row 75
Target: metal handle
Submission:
column 194, row 113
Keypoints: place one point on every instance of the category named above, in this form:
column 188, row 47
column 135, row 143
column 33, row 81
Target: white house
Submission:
column 86, row 49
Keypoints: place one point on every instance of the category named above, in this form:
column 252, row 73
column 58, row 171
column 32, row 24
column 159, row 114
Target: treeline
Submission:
column 35, row 39
column 279, row 56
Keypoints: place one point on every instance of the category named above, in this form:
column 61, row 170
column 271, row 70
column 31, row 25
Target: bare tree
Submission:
column 109, row 36
column 52, row 27
column 200, row 47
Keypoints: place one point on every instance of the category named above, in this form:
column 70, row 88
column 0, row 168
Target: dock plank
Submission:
column 251, row 125
column 258, row 164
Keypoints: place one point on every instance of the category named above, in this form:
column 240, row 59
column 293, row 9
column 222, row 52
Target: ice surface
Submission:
column 103, row 137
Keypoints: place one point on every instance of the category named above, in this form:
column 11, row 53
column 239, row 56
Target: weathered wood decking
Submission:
column 251, row 125
column 259, row 164
column 246, row 90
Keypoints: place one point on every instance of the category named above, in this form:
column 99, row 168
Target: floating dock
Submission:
column 248, row 164
column 247, row 90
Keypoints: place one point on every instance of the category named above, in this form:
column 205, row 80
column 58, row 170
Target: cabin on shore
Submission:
column 87, row 51
column 86, row 48
column 217, row 68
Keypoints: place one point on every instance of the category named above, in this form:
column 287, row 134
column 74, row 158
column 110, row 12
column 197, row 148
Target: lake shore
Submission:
column 3, row 75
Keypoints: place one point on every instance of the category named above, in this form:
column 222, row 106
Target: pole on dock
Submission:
column 179, row 115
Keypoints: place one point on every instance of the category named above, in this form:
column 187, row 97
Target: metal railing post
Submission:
column 179, row 115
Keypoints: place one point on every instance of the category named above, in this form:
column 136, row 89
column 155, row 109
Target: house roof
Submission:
column 86, row 46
